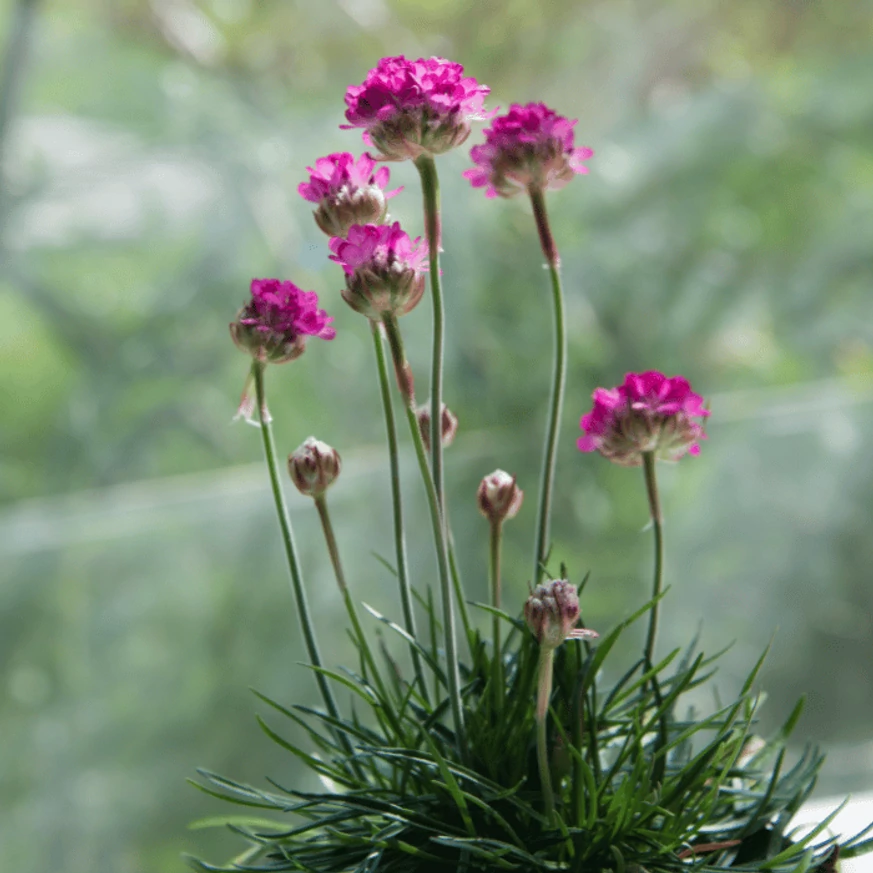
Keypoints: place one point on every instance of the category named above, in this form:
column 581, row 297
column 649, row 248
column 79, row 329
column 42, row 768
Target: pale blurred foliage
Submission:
column 151, row 154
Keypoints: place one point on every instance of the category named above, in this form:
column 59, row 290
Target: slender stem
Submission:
column 430, row 189
column 397, row 505
column 395, row 342
column 657, row 527
column 559, row 378
column 544, row 693
column 494, row 569
column 288, row 539
column 333, row 551
column 458, row 586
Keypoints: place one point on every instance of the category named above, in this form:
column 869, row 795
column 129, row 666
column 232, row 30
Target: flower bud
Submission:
column 313, row 467
column 552, row 611
column 499, row 497
column 448, row 424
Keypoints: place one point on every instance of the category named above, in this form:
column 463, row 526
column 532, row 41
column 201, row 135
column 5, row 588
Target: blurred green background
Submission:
column 150, row 154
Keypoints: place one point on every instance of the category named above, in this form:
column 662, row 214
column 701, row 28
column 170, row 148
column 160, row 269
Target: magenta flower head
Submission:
column 347, row 192
column 273, row 326
column 528, row 149
column 648, row 413
column 552, row 611
column 384, row 269
column 414, row 108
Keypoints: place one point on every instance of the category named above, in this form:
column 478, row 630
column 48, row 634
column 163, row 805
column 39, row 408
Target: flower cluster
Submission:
column 384, row 269
column 273, row 326
column 347, row 192
column 649, row 412
column 414, row 108
column 528, row 149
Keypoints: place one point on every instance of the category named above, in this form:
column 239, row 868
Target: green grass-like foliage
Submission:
column 642, row 782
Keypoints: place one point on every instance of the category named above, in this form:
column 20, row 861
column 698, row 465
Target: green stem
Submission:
column 430, row 189
column 290, row 552
column 559, row 378
column 333, row 551
column 657, row 527
column 458, row 586
column 395, row 342
column 544, row 693
column 397, row 505
column 494, row 570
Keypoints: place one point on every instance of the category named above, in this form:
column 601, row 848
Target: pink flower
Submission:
column 347, row 192
column 648, row 413
column 273, row 326
column 384, row 269
column 529, row 148
column 414, row 108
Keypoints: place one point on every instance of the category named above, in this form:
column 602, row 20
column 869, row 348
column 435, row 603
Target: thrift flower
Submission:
column 414, row 108
column 552, row 611
column 529, row 148
column 347, row 192
column 273, row 326
column 648, row 413
column 313, row 467
column 448, row 424
column 384, row 269
column 499, row 497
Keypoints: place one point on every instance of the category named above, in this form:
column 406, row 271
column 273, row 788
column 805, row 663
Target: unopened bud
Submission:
column 313, row 466
column 552, row 611
column 448, row 424
column 499, row 497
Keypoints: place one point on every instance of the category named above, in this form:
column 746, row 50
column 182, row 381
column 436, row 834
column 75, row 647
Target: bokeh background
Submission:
column 150, row 154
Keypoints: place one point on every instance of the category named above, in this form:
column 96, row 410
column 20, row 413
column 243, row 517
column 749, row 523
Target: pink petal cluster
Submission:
column 529, row 148
column 649, row 412
column 384, row 269
column 347, row 192
column 274, row 324
column 413, row 108
column 380, row 246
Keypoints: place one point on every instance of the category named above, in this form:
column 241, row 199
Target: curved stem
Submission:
column 333, row 551
column 657, row 527
column 290, row 551
column 430, row 188
column 459, row 587
column 559, row 378
column 395, row 342
column 544, row 693
column 494, row 570
column 397, row 505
